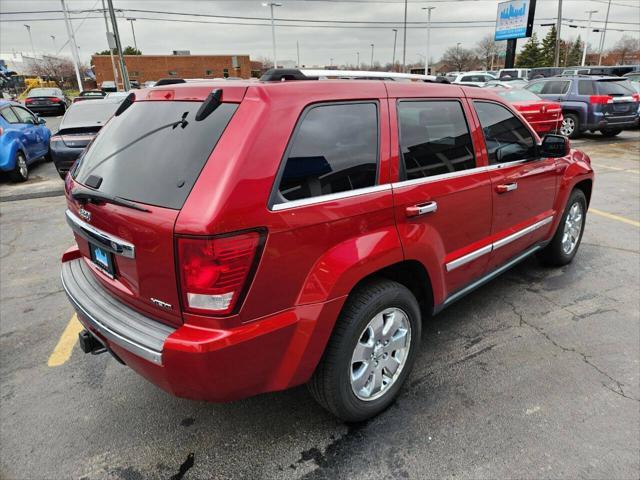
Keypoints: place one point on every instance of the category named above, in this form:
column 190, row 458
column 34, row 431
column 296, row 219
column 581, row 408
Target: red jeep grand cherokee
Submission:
column 246, row 237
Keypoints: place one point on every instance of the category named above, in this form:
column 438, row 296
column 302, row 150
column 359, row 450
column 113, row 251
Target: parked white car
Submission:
column 477, row 79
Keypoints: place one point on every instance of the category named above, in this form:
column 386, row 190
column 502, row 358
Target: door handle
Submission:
column 508, row 187
column 421, row 209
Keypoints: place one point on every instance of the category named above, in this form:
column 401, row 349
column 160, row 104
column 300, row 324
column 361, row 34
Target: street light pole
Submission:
column 604, row 33
column 358, row 60
column 33, row 50
column 371, row 64
column 72, row 44
column 586, row 40
column 113, row 62
column 135, row 44
column 395, row 39
column 273, row 30
column 426, row 59
column 116, row 34
column 55, row 48
column 298, row 52
column 556, row 62
column 404, row 43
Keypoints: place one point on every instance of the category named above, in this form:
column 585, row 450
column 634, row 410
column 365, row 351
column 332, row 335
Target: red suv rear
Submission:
column 241, row 238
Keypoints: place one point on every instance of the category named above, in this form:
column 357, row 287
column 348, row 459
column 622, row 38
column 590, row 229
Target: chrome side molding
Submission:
column 458, row 262
column 103, row 239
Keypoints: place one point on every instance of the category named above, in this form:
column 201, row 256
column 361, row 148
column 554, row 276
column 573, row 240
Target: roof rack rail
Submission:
column 283, row 74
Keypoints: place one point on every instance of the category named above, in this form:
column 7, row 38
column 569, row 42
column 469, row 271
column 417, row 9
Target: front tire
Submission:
column 20, row 172
column 370, row 353
column 570, row 126
column 566, row 241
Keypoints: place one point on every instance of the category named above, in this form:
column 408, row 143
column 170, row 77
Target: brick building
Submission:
column 154, row 67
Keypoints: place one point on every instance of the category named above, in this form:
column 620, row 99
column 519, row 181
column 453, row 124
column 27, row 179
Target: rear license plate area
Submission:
column 102, row 259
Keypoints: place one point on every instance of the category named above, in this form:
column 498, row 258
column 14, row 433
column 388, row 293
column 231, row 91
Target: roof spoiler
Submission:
column 169, row 81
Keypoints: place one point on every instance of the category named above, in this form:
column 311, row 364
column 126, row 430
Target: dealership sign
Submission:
column 515, row 19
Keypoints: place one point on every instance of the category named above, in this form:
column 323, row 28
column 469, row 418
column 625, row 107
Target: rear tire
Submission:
column 570, row 126
column 20, row 172
column 610, row 133
column 380, row 323
column 566, row 241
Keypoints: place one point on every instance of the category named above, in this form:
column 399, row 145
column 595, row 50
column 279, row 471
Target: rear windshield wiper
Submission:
column 86, row 195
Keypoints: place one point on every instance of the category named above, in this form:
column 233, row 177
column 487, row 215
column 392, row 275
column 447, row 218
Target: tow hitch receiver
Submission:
column 90, row 344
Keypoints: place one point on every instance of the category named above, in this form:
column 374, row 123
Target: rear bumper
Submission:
column 271, row 353
column 46, row 108
column 600, row 121
column 64, row 157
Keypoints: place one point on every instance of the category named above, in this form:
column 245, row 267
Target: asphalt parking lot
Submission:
column 535, row 375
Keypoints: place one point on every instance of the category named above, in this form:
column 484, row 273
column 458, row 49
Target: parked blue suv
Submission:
column 594, row 103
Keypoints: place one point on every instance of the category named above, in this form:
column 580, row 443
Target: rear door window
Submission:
column 506, row 136
column 585, row 87
column 334, row 149
column 434, row 138
column 154, row 151
column 554, row 87
column 9, row 115
column 24, row 116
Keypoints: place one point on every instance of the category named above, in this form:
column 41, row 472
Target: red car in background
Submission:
column 544, row 116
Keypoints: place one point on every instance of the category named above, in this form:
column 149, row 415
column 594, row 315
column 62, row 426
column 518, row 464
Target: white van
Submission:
column 514, row 73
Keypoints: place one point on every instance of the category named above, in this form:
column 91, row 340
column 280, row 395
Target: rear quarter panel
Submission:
column 10, row 142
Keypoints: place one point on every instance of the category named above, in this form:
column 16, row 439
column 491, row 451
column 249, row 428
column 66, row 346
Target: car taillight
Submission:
column 54, row 99
column 28, row 100
column 636, row 97
column 215, row 271
column 1, row 131
column 600, row 99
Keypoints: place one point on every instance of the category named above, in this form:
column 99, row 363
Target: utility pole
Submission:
column 72, row 44
column 558, row 28
column 273, row 30
column 404, row 43
column 298, row 52
column 426, row 59
column 135, row 44
column 604, row 34
column 113, row 62
column 395, row 39
column 371, row 64
column 116, row 34
column 586, row 40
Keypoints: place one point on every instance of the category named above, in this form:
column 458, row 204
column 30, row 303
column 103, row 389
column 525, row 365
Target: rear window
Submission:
column 44, row 92
column 585, row 87
column 85, row 114
column 148, row 155
column 616, row 88
column 517, row 95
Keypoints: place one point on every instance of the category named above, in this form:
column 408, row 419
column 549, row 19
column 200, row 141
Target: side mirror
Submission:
column 554, row 146
column 41, row 121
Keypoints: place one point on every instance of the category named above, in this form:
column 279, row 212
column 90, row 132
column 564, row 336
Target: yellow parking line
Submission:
column 68, row 339
column 615, row 217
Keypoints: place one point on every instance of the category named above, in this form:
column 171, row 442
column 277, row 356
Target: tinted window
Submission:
column 536, row 87
column 434, row 138
column 89, row 114
column 585, row 87
column 555, row 87
column 44, row 92
column 24, row 116
column 617, row 88
column 147, row 155
column 509, row 73
column 506, row 137
column 334, row 149
column 9, row 116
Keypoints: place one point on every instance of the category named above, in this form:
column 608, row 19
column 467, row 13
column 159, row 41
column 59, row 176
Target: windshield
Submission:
column 89, row 114
column 518, row 95
column 154, row 151
column 615, row 88
column 44, row 92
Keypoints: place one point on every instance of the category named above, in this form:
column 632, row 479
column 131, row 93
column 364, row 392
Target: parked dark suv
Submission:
column 605, row 104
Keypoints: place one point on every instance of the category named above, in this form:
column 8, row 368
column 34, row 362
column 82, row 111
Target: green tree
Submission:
column 530, row 55
column 574, row 56
column 548, row 48
column 129, row 50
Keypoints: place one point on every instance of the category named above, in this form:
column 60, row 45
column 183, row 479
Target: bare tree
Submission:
column 56, row 69
column 461, row 58
column 624, row 47
column 488, row 50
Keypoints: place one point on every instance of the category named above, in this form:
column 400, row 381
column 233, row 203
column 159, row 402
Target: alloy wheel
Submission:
column 572, row 228
column 380, row 354
column 568, row 126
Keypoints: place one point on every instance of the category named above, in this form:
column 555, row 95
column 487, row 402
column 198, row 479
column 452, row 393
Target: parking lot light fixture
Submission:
column 273, row 30
column 426, row 59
